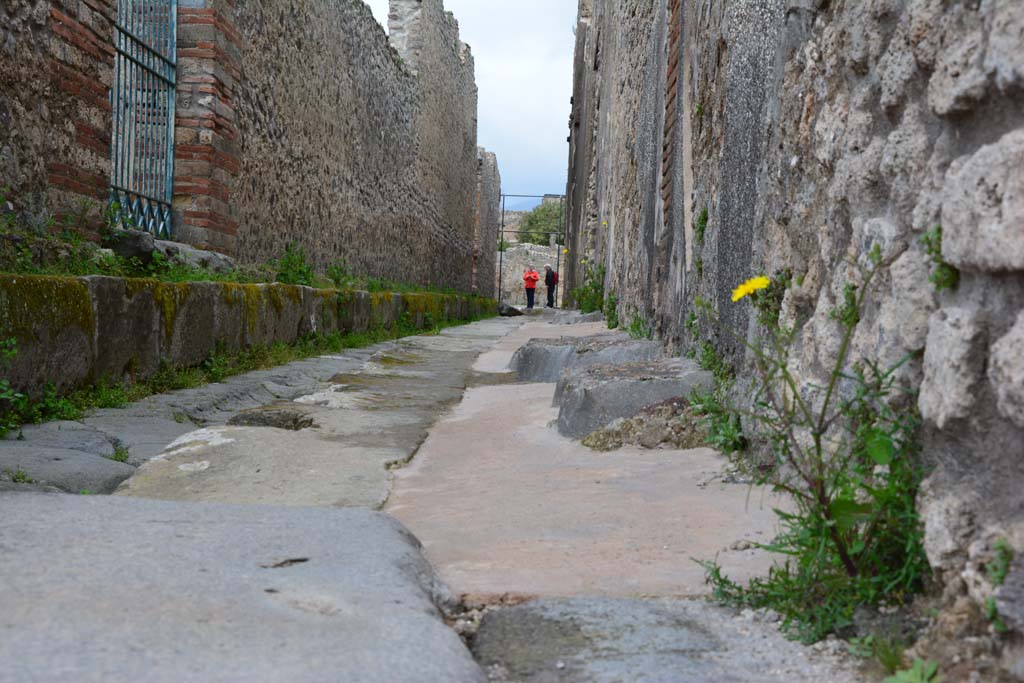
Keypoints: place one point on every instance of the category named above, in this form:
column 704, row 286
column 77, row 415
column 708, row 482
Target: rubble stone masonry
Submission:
column 805, row 132
column 295, row 122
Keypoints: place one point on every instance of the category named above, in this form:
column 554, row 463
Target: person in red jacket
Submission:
column 530, row 278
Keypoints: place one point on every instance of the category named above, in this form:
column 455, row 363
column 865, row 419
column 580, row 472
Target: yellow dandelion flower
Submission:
column 604, row 223
column 565, row 251
column 750, row 286
column 583, row 260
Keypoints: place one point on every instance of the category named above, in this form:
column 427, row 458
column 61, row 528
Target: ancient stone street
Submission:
column 248, row 568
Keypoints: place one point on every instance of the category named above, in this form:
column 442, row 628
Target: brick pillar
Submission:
column 206, row 141
column 81, row 65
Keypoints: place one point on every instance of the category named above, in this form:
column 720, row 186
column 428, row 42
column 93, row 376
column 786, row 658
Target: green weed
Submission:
column 854, row 536
column 887, row 651
column 701, row 225
column 943, row 276
column 709, row 360
column 999, row 567
column 725, row 431
column 611, row 311
column 589, row 296
column 639, row 329
column 920, row 672
column 293, row 268
column 19, row 476
column 120, row 454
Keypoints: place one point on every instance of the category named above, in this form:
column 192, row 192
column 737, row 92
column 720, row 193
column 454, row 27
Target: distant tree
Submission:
column 546, row 218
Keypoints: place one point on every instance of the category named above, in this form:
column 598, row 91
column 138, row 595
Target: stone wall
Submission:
column 488, row 223
column 808, row 131
column 312, row 128
column 56, row 63
column 293, row 124
column 74, row 331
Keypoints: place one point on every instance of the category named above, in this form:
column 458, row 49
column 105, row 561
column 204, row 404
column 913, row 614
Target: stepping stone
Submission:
column 107, row 589
column 544, row 360
column 591, row 397
column 576, row 318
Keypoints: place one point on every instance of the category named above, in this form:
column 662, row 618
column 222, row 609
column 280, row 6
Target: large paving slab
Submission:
column 505, row 505
column 110, row 589
column 351, row 431
column 594, row 640
column 370, row 408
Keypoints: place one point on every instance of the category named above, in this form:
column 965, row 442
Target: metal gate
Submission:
column 142, row 98
column 558, row 235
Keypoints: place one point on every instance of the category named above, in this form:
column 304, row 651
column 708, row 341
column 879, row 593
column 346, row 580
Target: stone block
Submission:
column 184, row 254
column 508, row 311
column 592, row 397
column 187, row 315
column 577, row 318
column 1006, row 372
column 320, row 311
column 953, row 363
column 354, row 311
column 126, row 313
column 67, row 469
column 544, row 360
column 53, row 322
column 983, row 211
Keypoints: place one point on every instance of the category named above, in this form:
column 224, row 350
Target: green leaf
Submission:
column 848, row 513
column 879, row 446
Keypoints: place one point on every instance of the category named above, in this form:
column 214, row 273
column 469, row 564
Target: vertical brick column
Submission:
column 206, row 140
column 81, row 62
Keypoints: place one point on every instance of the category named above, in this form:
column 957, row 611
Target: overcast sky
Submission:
column 523, row 51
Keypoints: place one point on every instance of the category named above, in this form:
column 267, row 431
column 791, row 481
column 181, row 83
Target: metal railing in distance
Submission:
column 142, row 98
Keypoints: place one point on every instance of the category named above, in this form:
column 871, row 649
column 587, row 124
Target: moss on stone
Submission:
column 30, row 303
column 169, row 296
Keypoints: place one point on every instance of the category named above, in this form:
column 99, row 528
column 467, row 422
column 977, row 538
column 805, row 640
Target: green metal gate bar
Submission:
column 142, row 97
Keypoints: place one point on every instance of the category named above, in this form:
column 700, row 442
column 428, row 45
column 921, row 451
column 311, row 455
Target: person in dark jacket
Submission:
column 551, row 282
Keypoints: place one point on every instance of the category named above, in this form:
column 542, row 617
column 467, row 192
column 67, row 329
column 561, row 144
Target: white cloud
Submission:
column 523, row 51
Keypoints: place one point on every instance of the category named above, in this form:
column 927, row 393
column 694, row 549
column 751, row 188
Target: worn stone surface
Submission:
column 591, row 397
column 335, row 442
column 389, row 403
column 65, row 468
column 507, row 508
column 544, row 360
column 600, row 640
column 217, row 593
